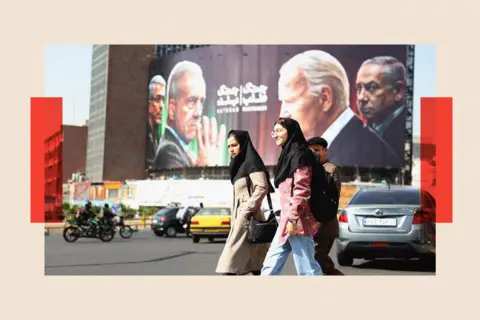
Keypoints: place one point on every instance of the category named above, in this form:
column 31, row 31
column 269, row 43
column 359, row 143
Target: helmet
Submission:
column 88, row 204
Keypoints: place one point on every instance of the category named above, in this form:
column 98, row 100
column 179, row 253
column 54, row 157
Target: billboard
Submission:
column 354, row 96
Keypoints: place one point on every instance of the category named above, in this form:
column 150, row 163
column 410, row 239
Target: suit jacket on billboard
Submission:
column 151, row 148
column 170, row 153
column 359, row 145
column 394, row 133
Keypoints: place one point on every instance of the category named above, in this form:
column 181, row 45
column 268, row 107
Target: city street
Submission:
column 146, row 254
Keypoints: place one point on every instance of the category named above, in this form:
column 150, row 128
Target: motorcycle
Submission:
column 125, row 231
column 95, row 229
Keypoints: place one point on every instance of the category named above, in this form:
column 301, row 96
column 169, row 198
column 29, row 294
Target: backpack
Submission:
column 323, row 199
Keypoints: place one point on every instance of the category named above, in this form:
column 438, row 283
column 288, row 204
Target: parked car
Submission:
column 211, row 223
column 165, row 222
column 393, row 222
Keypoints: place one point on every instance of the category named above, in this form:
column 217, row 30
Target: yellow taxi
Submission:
column 211, row 223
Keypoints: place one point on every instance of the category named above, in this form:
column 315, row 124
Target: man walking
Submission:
column 327, row 232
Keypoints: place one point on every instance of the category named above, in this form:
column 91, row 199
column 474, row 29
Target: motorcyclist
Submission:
column 85, row 214
column 108, row 214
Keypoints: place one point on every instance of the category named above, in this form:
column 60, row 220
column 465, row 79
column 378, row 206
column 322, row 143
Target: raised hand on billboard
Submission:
column 193, row 157
column 210, row 142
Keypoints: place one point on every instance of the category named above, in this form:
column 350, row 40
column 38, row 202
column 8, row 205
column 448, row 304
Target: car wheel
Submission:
column 211, row 239
column 158, row 233
column 171, row 232
column 196, row 239
column 344, row 260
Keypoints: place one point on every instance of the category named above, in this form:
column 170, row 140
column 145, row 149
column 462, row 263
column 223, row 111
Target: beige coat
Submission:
column 238, row 255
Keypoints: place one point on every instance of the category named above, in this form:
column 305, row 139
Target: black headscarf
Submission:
column 295, row 152
column 247, row 160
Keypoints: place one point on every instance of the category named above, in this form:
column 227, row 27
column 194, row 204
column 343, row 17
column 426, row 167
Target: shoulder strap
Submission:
column 249, row 187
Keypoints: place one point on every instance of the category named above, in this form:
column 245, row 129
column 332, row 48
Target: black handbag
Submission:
column 261, row 231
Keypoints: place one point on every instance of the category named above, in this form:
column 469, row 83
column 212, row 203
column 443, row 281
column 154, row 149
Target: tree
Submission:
column 66, row 207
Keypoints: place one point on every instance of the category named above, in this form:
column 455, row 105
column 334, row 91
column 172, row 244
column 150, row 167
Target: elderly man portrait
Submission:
column 314, row 90
column 381, row 89
column 186, row 89
column 156, row 101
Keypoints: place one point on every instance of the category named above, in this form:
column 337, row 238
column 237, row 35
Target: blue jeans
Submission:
column 303, row 256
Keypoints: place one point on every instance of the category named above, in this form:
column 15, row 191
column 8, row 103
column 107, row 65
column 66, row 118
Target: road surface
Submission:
column 146, row 254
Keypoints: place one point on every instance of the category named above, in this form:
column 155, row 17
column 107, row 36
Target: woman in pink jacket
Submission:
column 293, row 176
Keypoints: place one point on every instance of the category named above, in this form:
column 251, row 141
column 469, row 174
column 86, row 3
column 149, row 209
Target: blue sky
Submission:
column 67, row 73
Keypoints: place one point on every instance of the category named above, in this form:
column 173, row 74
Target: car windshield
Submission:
column 164, row 212
column 401, row 197
column 213, row 212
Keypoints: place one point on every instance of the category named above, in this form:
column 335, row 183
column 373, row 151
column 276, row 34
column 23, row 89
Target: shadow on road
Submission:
column 399, row 265
column 127, row 262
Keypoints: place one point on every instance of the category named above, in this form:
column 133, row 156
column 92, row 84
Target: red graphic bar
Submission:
column 45, row 120
column 436, row 132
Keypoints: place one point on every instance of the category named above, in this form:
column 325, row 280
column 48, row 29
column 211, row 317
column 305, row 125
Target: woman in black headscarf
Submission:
column 293, row 177
column 249, row 178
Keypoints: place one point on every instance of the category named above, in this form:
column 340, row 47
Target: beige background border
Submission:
column 27, row 27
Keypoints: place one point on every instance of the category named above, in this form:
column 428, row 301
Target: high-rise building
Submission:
column 98, row 108
column 118, row 108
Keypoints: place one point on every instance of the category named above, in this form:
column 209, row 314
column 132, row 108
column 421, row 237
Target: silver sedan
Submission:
column 390, row 222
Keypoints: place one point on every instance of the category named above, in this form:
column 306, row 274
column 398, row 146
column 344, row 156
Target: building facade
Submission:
column 74, row 151
column 98, row 108
column 65, row 155
column 53, row 177
column 116, row 148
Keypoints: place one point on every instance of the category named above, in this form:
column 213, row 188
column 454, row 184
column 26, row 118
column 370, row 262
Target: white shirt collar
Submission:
column 331, row 133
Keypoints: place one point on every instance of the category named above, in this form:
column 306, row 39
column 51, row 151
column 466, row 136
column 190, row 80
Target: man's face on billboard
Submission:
column 186, row 110
column 298, row 102
column 376, row 98
column 155, row 106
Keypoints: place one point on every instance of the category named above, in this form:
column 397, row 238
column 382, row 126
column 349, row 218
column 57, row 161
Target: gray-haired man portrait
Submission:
column 314, row 90
column 156, row 101
column 381, row 89
column 185, row 100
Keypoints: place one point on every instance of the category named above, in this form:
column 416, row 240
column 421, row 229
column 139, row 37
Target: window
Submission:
column 112, row 193
column 214, row 212
column 165, row 211
column 402, row 197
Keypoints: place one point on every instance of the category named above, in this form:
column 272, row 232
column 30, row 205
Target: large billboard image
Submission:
column 354, row 96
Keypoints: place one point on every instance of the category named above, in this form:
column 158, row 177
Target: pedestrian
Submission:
column 327, row 231
column 297, row 226
column 251, row 184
